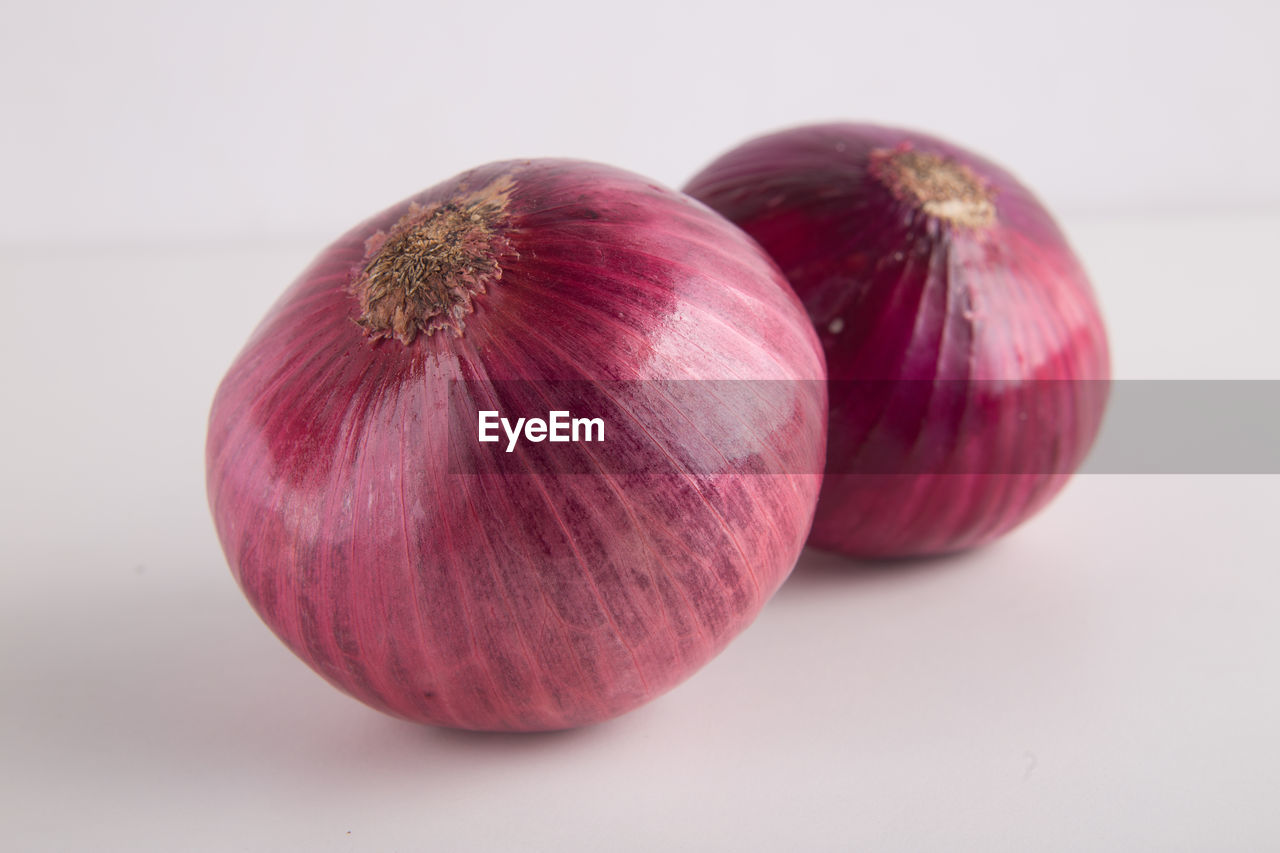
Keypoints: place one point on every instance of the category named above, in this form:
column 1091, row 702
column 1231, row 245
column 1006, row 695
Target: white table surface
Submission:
column 1106, row 678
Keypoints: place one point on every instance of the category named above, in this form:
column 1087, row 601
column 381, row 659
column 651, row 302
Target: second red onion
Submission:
column 966, row 351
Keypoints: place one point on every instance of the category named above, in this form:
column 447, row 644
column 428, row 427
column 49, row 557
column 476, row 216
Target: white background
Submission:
column 201, row 121
column 1104, row 678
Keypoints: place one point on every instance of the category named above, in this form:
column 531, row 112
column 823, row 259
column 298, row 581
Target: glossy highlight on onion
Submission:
column 967, row 356
column 364, row 525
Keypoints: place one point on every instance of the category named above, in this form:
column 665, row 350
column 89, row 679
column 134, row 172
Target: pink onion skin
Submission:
column 500, row 601
column 994, row 297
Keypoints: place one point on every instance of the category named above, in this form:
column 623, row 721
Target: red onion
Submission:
column 967, row 355
column 372, row 531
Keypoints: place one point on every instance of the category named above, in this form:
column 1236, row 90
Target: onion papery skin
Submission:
column 959, row 290
column 449, row 593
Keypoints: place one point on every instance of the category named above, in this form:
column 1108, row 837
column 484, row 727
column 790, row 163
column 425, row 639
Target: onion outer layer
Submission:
column 925, row 266
column 497, row 600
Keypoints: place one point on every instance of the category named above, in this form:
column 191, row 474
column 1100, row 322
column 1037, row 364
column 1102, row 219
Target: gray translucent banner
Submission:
column 879, row 428
column 1189, row 427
